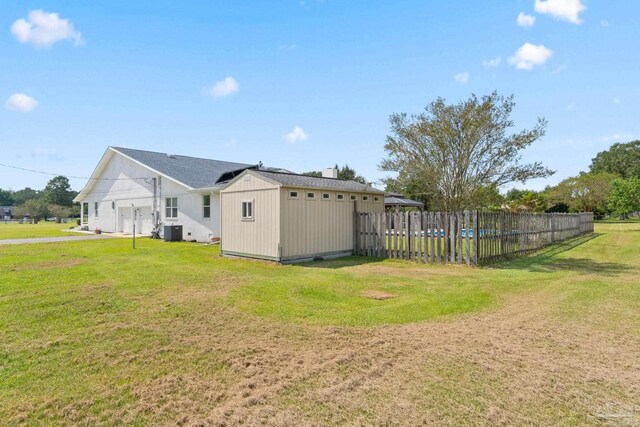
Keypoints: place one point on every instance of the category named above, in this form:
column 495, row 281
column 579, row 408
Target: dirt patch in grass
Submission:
column 518, row 365
column 46, row 265
column 377, row 295
column 563, row 351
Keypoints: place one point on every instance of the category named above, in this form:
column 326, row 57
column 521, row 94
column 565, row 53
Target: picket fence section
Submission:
column 468, row 237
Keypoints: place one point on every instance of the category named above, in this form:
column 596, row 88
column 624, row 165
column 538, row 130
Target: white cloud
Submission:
column 492, row 63
column 529, row 55
column 462, row 78
column 224, row 87
column 525, row 20
column 617, row 137
column 566, row 10
column 297, row 134
column 21, row 102
column 43, row 29
column 47, row 153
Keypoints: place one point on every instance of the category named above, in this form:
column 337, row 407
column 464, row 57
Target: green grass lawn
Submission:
column 96, row 333
column 41, row 229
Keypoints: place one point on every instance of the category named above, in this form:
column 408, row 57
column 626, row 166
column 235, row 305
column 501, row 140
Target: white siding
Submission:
column 260, row 236
column 284, row 228
column 124, row 187
column 316, row 227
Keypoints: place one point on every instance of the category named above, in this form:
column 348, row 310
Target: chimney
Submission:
column 330, row 173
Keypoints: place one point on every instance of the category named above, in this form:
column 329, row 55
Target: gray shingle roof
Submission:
column 295, row 180
column 401, row 201
column 192, row 171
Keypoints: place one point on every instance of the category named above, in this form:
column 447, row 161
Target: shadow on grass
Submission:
column 547, row 260
column 350, row 261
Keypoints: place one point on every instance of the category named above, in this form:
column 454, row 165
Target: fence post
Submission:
column 467, row 237
column 502, row 235
column 476, row 237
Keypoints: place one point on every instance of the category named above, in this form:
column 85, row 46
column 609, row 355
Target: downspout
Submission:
column 155, row 202
column 159, row 181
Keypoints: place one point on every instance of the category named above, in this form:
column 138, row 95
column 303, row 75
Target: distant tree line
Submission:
column 55, row 200
column 607, row 188
column 454, row 157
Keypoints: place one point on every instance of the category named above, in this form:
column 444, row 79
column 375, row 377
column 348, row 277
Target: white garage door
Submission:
column 144, row 223
column 145, row 220
column 124, row 220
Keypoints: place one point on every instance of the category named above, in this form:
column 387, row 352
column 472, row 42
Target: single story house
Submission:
column 287, row 217
column 155, row 189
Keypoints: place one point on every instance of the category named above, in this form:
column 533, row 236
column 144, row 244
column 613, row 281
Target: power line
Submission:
column 111, row 192
column 67, row 176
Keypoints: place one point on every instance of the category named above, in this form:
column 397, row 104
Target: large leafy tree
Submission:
column 35, row 208
column 624, row 197
column 455, row 151
column 27, row 193
column 619, row 159
column 526, row 201
column 410, row 186
column 6, row 197
column 587, row 192
column 58, row 191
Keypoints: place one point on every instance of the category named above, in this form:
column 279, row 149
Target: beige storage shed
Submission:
column 287, row 217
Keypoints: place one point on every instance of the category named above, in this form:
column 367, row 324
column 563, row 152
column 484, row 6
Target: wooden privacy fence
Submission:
column 468, row 237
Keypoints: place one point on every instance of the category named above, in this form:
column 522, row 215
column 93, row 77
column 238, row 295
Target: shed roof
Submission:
column 192, row 171
column 296, row 180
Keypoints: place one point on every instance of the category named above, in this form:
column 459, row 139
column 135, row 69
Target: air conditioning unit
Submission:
column 172, row 233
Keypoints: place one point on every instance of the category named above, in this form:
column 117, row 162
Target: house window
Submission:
column 376, row 198
column 247, row 210
column 293, row 194
column 311, row 196
column 326, row 196
column 95, row 209
column 340, row 197
column 171, row 207
column 206, row 206
column 85, row 213
column 365, row 198
column 113, row 205
column 352, row 197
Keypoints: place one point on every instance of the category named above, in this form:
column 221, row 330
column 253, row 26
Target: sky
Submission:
column 303, row 85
